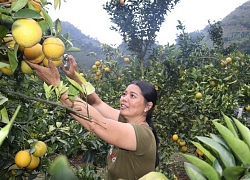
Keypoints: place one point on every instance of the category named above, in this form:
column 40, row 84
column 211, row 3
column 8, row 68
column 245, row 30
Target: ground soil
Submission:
column 177, row 166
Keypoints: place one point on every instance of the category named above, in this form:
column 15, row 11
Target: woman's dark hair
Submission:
column 150, row 95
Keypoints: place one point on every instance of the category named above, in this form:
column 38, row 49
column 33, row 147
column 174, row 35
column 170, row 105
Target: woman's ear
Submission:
column 149, row 106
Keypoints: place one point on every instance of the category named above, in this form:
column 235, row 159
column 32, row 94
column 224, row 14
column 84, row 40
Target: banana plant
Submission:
column 227, row 155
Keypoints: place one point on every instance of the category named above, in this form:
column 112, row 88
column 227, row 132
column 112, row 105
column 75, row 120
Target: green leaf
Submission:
column 27, row 13
column 6, row 129
column 48, row 19
column 230, row 125
column 205, row 151
column 193, row 172
column 3, row 31
column 5, row 117
column 58, row 26
column 238, row 146
column 3, row 99
column 60, row 169
column 73, row 49
column 244, row 131
column 220, row 140
column 226, row 157
column 76, row 85
column 18, row 5
column 13, row 58
column 57, row 3
column 232, row 173
column 206, row 168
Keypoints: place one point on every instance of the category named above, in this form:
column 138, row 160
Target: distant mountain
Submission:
column 90, row 50
column 236, row 29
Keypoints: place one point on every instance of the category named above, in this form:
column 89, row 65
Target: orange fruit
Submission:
column 247, row 108
column 34, row 162
column 199, row 152
column 53, row 47
column 182, row 143
column 98, row 73
column 106, row 69
column 6, row 70
column 94, row 67
column 229, row 60
column 212, row 83
column 36, row 4
column 25, row 68
column 126, row 60
column 41, row 149
column 175, row 137
column 22, row 158
column 97, row 63
column 57, row 61
column 198, row 95
column 184, row 148
column 26, row 32
column 34, row 54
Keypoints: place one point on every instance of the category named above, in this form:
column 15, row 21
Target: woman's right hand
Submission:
column 72, row 68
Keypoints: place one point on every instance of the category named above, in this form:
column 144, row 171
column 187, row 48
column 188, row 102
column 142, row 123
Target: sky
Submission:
column 90, row 17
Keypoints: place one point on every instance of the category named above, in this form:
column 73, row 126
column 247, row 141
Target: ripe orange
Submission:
column 247, row 108
column 106, row 69
column 94, row 67
column 34, row 54
column 22, row 158
column 98, row 73
column 9, row 41
column 34, row 162
column 41, row 149
column 126, row 60
column 182, row 143
column 229, row 60
column 175, row 137
column 198, row 95
column 212, row 83
column 199, row 152
column 25, row 68
column 223, row 63
column 184, row 148
column 6, row 70
column 97, row 63
column 53, row 47
column 36, row 4
column 26, row 32
column 56, row 61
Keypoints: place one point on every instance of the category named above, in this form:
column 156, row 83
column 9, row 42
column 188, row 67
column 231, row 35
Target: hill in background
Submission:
column 236, row 29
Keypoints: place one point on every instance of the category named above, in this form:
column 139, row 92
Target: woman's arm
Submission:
column 119, row 134
column 92, row 99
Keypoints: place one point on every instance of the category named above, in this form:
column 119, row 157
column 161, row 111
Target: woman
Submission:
column 129, row 130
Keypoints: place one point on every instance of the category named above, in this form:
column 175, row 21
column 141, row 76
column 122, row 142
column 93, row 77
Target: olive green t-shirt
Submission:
column 131, row 165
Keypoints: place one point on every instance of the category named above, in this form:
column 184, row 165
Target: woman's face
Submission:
column 132, row 103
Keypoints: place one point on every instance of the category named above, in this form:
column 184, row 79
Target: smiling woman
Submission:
column 129, row 130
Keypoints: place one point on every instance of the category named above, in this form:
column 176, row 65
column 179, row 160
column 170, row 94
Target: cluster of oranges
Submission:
column 182, row 144
column 225, row 62
column 97, row 69
column 27, row 34
column 28, row 160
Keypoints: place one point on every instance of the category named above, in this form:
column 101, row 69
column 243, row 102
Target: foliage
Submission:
column 227, row 154
column 137, row 22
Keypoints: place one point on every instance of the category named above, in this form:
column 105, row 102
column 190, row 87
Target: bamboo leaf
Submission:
column 193, row 172
column 244, row 131
column 238, row 146
column 206, row 168
column 230, row 125
column 232, row 173
column 226, row 157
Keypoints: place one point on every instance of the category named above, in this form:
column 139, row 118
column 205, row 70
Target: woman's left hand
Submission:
column 49, row 75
